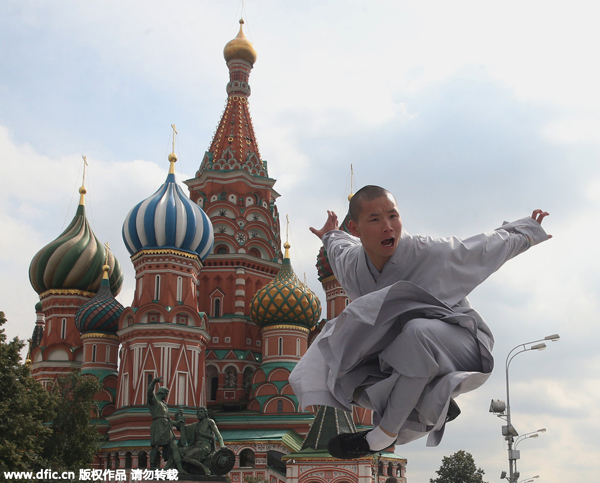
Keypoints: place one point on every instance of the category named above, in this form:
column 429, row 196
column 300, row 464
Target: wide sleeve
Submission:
column 347, row 259
column 450, row 268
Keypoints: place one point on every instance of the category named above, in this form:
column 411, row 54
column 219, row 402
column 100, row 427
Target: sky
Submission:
column 470, row 112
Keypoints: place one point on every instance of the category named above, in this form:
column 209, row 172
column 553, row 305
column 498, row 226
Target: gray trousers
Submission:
column 423, row 352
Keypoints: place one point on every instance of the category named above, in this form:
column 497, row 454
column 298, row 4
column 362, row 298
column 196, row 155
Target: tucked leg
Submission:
column 426, row 349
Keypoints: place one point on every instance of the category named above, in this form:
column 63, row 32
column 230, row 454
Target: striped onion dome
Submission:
column 168, row 219
column 285, row 300
column 74, row 260
column 101, row 313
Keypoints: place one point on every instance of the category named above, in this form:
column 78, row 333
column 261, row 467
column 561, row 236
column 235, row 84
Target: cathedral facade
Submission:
column 217, row 312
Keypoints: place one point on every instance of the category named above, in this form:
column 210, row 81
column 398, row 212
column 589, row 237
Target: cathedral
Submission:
column 217, row 312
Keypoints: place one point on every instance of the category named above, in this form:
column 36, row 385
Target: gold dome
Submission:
column 240, row 48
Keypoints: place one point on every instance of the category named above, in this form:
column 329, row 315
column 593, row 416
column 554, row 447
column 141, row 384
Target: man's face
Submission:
column 201, row 414
column 379, row 228
column 162, row 394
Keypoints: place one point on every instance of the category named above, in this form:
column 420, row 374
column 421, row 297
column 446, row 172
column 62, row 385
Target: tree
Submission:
column 44, row 429
column 24, row 408
column 459, row 468
column 74, row 440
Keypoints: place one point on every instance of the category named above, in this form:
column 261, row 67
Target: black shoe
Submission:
column 348, row 446
column 453, row 411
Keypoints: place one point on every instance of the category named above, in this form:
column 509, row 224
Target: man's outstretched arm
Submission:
column 539, row 215
column 330, row 225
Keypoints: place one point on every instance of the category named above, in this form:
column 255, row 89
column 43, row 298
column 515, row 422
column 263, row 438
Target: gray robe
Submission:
column 426, row 278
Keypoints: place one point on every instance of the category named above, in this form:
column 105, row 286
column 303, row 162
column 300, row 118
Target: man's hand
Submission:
column 330, row 225
column 539, row 215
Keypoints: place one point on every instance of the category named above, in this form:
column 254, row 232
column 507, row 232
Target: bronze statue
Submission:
column 161, row 430
column 195, row 450
column 200, row 451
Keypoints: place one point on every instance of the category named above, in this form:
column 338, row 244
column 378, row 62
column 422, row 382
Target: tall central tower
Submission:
column 234, row 189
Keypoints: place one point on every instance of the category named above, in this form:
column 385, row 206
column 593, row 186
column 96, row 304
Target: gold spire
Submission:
column 287, row 245
column 351, row 182
column 106, row 267
column 82, row 190
column 173, row 156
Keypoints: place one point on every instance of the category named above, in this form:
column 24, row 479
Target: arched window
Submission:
column 247, row 458
column 94, row 350
column 298, row 347
column 107, row 358
column 222, row 250
column 279, row 406
column 390, row 469
column 247, row 380
column 280, row 346
column 217, row 308
column 128, row 460
column 380, row 469
column 223, row 196
column 108, row 462
column 179, row 289
column 63, row 329
column 157, row 287
column 142, row 460
column 212, row 382
column 254, row 252
column 230, row 378
column 181, row 389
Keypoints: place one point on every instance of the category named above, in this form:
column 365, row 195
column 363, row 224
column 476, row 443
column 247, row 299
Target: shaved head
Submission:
column 366, row 193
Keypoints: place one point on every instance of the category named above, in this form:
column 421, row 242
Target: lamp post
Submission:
column 523, row 437
column 503, row 409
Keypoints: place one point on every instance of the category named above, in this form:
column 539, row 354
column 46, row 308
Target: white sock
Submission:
column 379, row 440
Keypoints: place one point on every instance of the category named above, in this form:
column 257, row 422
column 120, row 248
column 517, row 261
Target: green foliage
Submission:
column 24, row 407
column 73, row 441
column 44, row 429
column 459, row 468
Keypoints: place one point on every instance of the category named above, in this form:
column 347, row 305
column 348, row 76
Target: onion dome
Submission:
column 102, row 312
column 323, row 267
column 285, row 300
column 74, row 260
column 168, row 220
column 240, row 48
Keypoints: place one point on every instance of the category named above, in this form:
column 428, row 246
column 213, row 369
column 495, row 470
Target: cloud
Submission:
column 470, row 113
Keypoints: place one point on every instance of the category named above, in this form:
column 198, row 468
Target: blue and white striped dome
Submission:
column 168, row 219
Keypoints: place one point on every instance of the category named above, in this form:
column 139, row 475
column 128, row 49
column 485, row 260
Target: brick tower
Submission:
column 234, row 189
column 66, row 273
column 163, row 333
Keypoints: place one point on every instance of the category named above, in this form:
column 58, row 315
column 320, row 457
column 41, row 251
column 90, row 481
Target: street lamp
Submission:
column 523, row 437
column 502, row 409
column 533, row 434
column 529, row 480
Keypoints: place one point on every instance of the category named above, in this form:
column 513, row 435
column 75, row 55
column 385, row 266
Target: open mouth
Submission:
column 388, row 242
